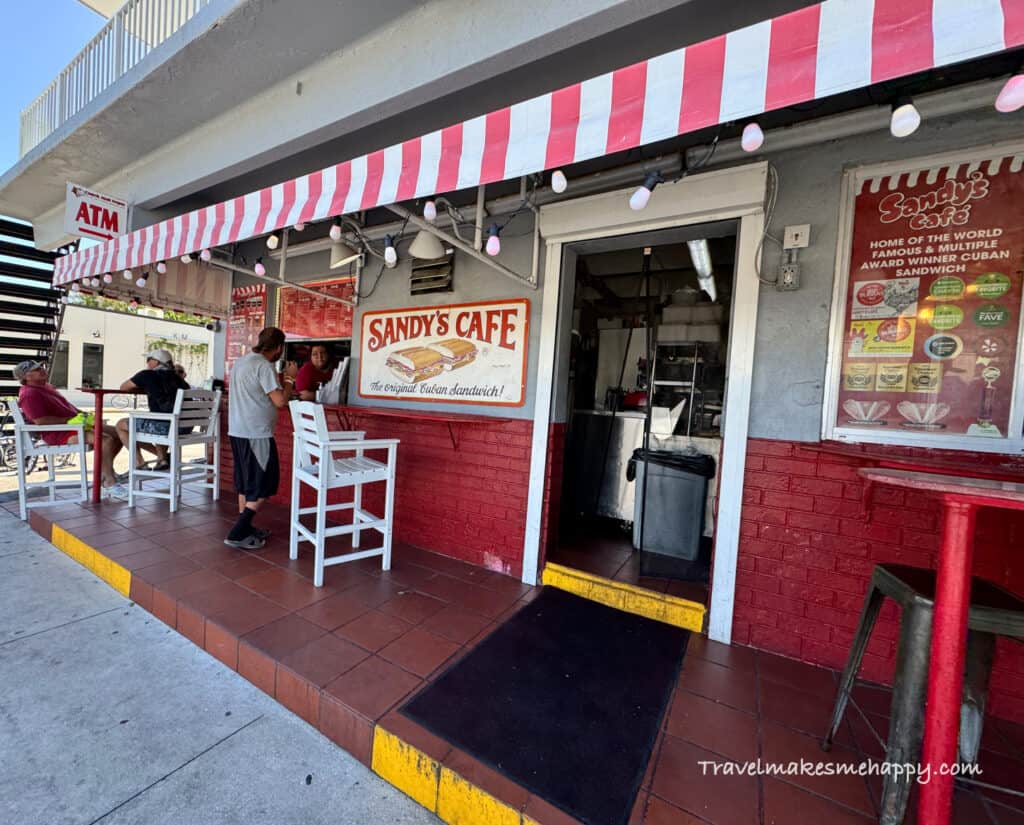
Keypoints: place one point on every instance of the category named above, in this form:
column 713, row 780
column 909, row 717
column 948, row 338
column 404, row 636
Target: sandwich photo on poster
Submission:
column 459, row 353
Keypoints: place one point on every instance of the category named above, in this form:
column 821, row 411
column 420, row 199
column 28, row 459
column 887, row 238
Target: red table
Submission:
column 960, row 499
column 97, row 435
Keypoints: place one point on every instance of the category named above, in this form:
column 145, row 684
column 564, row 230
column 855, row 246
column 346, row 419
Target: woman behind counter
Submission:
column 313, row 373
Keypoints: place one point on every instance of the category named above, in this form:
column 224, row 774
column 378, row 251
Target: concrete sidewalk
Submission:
column 109, row 716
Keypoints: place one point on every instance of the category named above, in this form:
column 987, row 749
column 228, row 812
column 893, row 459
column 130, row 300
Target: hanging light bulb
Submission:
column 109, row 279
column 430, row 211
column 127, row 275
column 299, row 226
column 390, row 253
column 259, row 268
column 161, row 268
column 205, row 255
column 493, row 246
column 638, row 200
column 559, row 183
column 186, row 258
column 134, row 303
column 142, row 280
column 94, row 282
column 1011, row 96
column 335, row 232
column 273, row 241
column 905, row 119
column 753, row 137
column 63, row 299
column 75, row 287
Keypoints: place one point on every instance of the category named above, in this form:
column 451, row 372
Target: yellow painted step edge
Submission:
column 437, row 788
column 658, row 606
column 110, row 571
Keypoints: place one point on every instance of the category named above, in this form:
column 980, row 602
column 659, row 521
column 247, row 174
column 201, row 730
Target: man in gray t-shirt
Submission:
column 255, row 394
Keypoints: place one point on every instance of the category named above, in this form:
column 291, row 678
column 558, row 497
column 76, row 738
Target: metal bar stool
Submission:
column 994, row 612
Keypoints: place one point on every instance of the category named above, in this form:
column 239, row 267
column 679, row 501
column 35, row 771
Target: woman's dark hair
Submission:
column 271, row 338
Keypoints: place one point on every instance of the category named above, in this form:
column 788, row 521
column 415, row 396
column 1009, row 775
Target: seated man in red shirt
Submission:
column 41, row 404
column 313, row 373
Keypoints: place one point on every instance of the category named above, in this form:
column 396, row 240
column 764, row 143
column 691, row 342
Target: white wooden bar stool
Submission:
column 328, row 461
column 26, row 446
column 195, row 420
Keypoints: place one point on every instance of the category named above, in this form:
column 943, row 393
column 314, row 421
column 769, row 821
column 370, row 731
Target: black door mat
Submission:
column 566, row 699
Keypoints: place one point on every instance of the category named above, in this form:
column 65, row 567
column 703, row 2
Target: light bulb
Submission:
column 639, row 199
column 63, row 299
column 186, row 258
column 133, row 303
column 273, row 241
column 390, row 253
column 905, row 120
column 1011, row 97
column 205, row 255
column 259, row 268
column 127, row 275
column 753, row 137
column 109, row 279
column 493, row 246
column 161, row 268
column 559, row 183
column 94, row 281
column 335, row 232
column 430, row 211
column 75, row 287
column 140, row 283
column 299, row 226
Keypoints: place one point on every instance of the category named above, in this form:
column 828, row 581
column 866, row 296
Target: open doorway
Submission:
column 645, row 391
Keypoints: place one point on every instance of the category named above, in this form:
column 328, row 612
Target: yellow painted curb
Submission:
column 110, row 571
column 658, row 606
column 411, row 771
column 461, row 803
column 438, row 789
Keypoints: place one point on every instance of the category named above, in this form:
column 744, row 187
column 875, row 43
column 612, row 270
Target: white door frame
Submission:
column 726, row 194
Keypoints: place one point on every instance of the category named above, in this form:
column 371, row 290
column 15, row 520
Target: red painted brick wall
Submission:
column 466, row 501
column 552, row 491
column 807, row 550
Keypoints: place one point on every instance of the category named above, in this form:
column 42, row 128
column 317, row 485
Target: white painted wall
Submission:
column 124, row 344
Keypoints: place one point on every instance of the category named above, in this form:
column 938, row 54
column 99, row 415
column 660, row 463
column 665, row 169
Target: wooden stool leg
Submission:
column 906, row 720
column 868, row 615
column 981, row 650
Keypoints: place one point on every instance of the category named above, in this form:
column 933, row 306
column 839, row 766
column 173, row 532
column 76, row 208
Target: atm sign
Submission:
column 92, row 215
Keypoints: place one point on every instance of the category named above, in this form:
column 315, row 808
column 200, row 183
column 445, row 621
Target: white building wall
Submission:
column 125, row 339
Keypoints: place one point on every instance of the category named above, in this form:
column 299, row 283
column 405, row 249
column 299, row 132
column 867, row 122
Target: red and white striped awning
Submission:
column 821, row 50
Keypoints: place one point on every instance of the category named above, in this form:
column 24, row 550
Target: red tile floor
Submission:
column 347, row 655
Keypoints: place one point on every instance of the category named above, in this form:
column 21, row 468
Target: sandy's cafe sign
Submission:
column 460, row 353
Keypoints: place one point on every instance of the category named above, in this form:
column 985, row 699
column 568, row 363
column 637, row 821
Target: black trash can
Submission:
column 676, row 492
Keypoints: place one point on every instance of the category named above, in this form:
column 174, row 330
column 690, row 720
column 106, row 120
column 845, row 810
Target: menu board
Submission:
column 933, row 301
column 248, row 316
column 302, row 315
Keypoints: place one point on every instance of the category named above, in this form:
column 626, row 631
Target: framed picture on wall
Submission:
column 926, row 333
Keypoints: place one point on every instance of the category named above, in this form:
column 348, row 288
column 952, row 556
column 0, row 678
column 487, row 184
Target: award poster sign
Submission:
column 933, row 301
column 461, row 353
column 302, row 315
column 247, row 318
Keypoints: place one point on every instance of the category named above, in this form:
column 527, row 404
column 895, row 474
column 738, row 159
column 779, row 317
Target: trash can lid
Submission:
column 693, row 463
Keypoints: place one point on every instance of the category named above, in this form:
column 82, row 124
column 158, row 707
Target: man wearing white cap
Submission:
column 161, row 384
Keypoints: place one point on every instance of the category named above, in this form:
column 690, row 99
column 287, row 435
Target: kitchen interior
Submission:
column 650, row 328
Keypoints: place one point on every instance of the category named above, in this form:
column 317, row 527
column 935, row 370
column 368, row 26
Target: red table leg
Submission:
column 97, row 449
column 949, row 645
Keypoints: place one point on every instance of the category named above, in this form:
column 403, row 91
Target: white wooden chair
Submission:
column 28, row 444
column 195, row 420
column 328, row 461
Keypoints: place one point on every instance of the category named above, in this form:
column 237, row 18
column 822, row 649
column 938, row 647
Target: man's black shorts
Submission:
column 251, row 480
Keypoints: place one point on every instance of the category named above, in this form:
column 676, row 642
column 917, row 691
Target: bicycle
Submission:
column 8, row 444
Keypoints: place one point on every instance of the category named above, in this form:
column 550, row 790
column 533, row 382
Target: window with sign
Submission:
column 926, row 326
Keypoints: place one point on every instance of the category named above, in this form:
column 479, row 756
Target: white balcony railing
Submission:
column 137, row 28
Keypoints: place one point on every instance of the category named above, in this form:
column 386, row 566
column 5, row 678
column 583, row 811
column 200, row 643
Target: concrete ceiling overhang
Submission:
column 222, row 106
